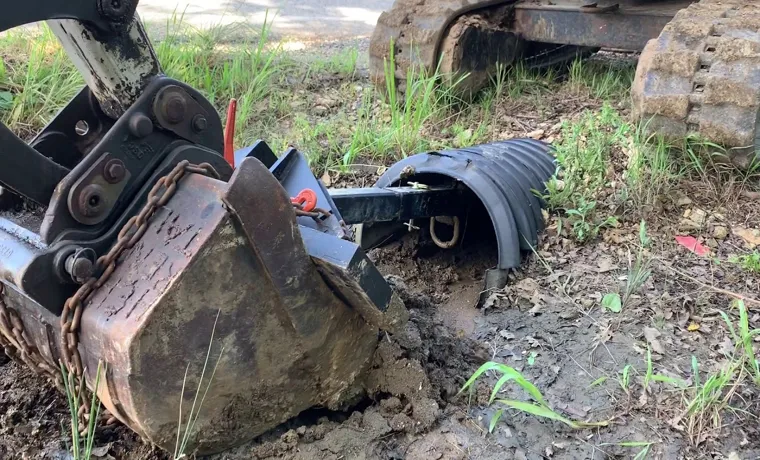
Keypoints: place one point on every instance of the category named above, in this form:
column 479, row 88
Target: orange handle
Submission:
column 229, row 133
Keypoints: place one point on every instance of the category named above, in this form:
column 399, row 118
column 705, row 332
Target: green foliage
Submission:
column 651, row 170
column 749, row 262
column 612, row 302
column 601, row 79
column 744, row 339
column 538, row 408
column 396, row 128
column 625, row 378
column 36, row 79
column 247, row 72
column 342, row 63
column 81, row 448
column 583, row 157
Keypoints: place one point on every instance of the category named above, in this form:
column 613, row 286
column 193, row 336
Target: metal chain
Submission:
column 14, row 341
column 12, row 336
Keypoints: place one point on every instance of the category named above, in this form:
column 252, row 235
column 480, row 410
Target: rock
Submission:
column 537, row 134
column 693, row 219
column 720, row 232
column 320, row 110
column 683, row 201
column 325, row 101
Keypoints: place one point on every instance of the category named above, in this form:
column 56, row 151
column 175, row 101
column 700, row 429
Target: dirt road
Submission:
column 309, row 19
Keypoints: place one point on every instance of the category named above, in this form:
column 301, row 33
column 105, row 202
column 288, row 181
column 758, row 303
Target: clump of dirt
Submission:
column 412, row 384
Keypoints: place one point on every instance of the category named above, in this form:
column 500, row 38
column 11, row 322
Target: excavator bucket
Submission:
column 222, row 271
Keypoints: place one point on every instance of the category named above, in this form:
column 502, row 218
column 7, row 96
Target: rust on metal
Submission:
column 623, row 28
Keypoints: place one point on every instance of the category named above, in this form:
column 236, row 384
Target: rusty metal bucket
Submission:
column 228, row 259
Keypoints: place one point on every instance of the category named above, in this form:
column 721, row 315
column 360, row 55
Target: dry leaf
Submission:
column 326, row 179
column 750, row 235
column 606, row 265
column 651, row 334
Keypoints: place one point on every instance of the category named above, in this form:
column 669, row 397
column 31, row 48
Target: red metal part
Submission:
column 229, row 133
column 306, row 199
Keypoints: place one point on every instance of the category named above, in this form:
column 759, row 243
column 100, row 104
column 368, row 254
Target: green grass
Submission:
column 584, row 155
column 600, row 79
column 36, row 80
column 538, row 407
column 749, row 262
column 81, row 447
column 343, row 63
column 396, row 128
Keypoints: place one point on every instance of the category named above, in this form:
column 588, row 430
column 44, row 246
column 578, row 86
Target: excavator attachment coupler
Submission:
column 219, row 298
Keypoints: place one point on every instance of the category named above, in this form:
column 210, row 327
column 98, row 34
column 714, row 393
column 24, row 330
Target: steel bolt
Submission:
column 114, row 9
column 174, row 108
column 91, row 202
column 114, row 171
column 199, row 123
column 81, row 268
column 79, row 263
column 140, row 125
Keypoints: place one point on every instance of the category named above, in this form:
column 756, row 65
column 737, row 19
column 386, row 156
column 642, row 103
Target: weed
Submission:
column 641, row 269
column 37, row 79
column 639, row 272
column 538, row 408
column 641, row 455
column 749, row 262
column 651, row 172
column 583, row 157
column 625, row 378
column 744, row 339
column 81, row 448
column 342, row 63
column 583, row 220
column 601, row 79
column 711, row 165
column 397, row 129
column 184, row 436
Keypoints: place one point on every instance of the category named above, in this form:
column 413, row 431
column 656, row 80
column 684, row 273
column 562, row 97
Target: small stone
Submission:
column 320, row 110
column 301, row 430
column 325, row 101
column 720, row 232
column 693, row 219
column 684, row 201
column 537, row 134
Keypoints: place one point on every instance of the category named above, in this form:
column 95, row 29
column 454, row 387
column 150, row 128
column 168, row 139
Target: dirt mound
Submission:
column 413, row 381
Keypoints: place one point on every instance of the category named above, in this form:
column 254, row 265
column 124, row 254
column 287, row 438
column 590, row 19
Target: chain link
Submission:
column 12, row 335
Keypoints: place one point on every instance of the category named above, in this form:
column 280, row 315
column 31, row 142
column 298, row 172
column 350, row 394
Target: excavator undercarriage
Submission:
column 699, row 72
column 159, row 250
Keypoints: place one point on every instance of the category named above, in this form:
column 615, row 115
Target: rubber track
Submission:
column 702, row 75
column 417, row 29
